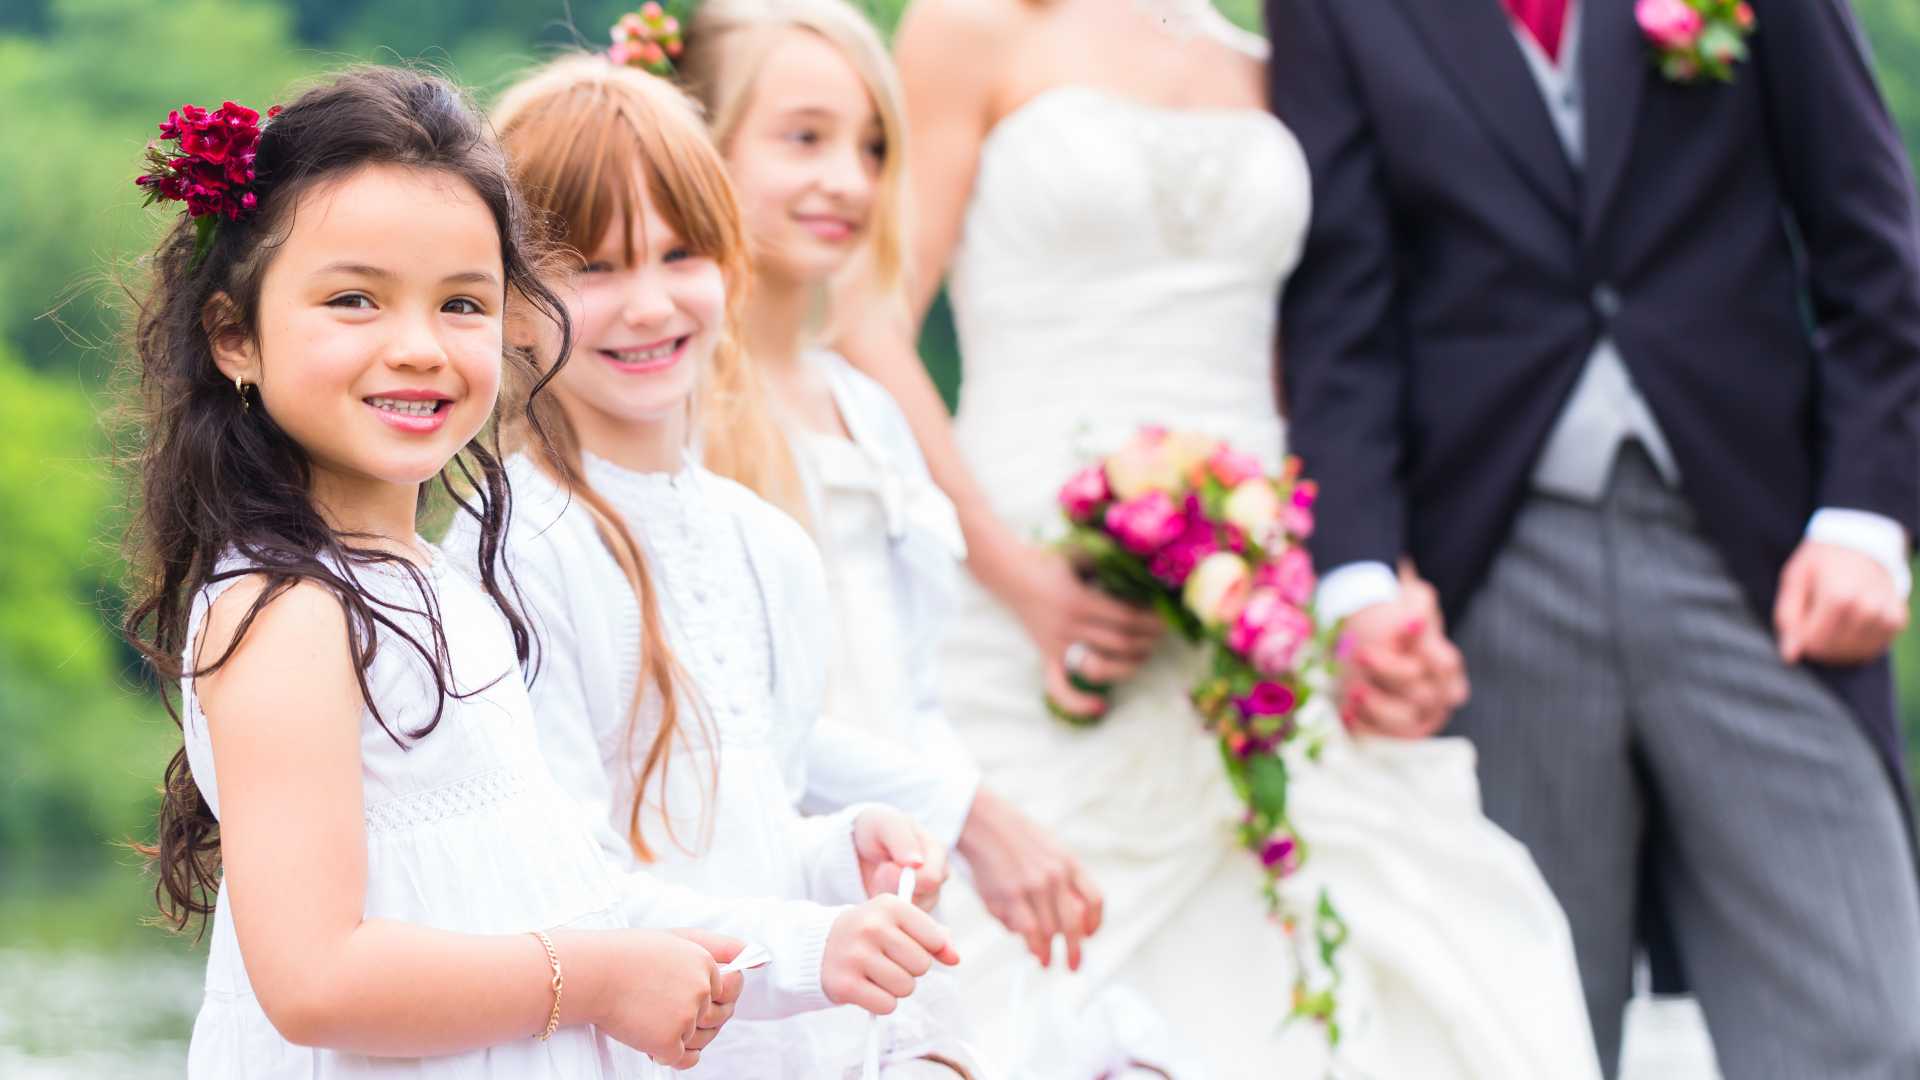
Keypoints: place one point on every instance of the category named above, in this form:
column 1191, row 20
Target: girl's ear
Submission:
column 532, row 332
column 234, row 350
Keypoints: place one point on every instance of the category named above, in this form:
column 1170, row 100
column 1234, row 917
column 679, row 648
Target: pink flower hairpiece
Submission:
column 648, row 39
column 209, row 167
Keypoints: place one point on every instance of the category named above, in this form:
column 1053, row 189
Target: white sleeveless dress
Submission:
column 1120, row 265
column 466, row 831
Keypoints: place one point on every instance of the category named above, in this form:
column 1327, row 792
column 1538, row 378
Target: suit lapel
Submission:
column 1474, row 42
column 1614, row 71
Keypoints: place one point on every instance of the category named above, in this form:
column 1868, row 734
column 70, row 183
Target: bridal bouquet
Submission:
column 1201, row 533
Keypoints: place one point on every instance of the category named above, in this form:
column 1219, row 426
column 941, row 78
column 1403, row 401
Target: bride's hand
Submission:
column 1035, row 887
column 1060, row 611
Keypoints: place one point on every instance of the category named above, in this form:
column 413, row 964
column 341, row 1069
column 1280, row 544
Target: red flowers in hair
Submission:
column 211, row 167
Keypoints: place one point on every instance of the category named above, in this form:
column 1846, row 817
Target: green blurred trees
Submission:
column 83, row 743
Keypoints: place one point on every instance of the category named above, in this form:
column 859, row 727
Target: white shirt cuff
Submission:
column 1875, row 535
column 1358, row 585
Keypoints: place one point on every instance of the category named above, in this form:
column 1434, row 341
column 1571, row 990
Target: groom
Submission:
column 1626, row 360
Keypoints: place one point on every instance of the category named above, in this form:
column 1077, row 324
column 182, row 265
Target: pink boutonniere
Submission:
column 1695, row 39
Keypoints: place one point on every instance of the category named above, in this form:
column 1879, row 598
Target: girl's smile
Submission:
column 416, row 410
column 647, row 359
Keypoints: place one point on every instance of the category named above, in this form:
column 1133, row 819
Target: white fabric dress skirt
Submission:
column 466, row 831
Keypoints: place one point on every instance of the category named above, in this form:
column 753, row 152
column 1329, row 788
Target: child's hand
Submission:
column 663, row 993
column 876, row 952
column 888, row 841
column 726, row 992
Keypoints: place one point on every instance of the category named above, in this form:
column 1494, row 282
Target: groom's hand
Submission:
column 1405, row 678
column 1836, row 606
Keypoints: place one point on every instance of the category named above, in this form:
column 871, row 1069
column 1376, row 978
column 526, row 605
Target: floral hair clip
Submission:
column 1695, row 39
column 210, row 167
column 648, row 39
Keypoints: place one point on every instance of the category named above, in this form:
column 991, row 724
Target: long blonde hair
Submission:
column 728, row 43
column 580, row 135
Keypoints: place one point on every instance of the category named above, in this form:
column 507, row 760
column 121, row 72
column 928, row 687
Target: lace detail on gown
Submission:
column 456, row 799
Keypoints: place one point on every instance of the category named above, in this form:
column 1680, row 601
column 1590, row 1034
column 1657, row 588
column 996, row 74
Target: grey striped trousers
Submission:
column 1622, row 684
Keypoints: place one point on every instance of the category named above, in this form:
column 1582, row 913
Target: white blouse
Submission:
column 586, row 662
column 744, row 601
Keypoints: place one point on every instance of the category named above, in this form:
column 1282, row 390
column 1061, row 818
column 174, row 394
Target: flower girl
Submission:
column 804, row 105
column 683, row 668
column 397, row 887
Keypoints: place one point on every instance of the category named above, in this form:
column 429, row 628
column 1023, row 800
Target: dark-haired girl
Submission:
column 396, row 884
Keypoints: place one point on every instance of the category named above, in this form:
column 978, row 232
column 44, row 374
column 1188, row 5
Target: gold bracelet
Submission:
column 559, row 985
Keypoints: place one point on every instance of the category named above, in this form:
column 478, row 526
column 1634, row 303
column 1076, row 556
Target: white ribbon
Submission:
column 871, row 1069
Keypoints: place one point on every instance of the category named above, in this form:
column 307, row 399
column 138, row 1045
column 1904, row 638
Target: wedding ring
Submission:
column 1076, row 657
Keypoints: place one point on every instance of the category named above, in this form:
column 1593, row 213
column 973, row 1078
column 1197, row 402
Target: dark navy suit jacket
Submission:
column 1751, row 247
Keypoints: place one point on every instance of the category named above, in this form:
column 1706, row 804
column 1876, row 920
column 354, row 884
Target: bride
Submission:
column 1115, row 213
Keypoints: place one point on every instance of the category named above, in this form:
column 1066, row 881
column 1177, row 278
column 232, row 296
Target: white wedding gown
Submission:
column 1120, row 265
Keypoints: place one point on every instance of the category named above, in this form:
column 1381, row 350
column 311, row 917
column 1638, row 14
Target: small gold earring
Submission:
column 240, row 384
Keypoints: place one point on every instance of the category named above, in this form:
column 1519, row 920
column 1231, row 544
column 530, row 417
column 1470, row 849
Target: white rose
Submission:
column 1143, row 465
column 1188, row 449
column 1253, row 508
column 1217, row 589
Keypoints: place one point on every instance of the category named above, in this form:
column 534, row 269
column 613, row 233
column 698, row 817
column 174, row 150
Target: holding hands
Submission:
column 1836, row 606
column 1404, row 677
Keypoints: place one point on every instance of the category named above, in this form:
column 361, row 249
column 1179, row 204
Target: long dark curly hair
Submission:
column 216, row 478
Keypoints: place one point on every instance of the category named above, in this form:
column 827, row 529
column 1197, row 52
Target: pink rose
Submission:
column 1262, row 607
column 1671, row 24
column 1177, row 560
column 1296, row 522
column 1146, row 523
column 1280, row 855
column 1296, row 518
column 1267, row 699
column 1279, row 644
column 1743, row 14
column 1083, row 493
column 1231, row 467
column 1290, row 574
